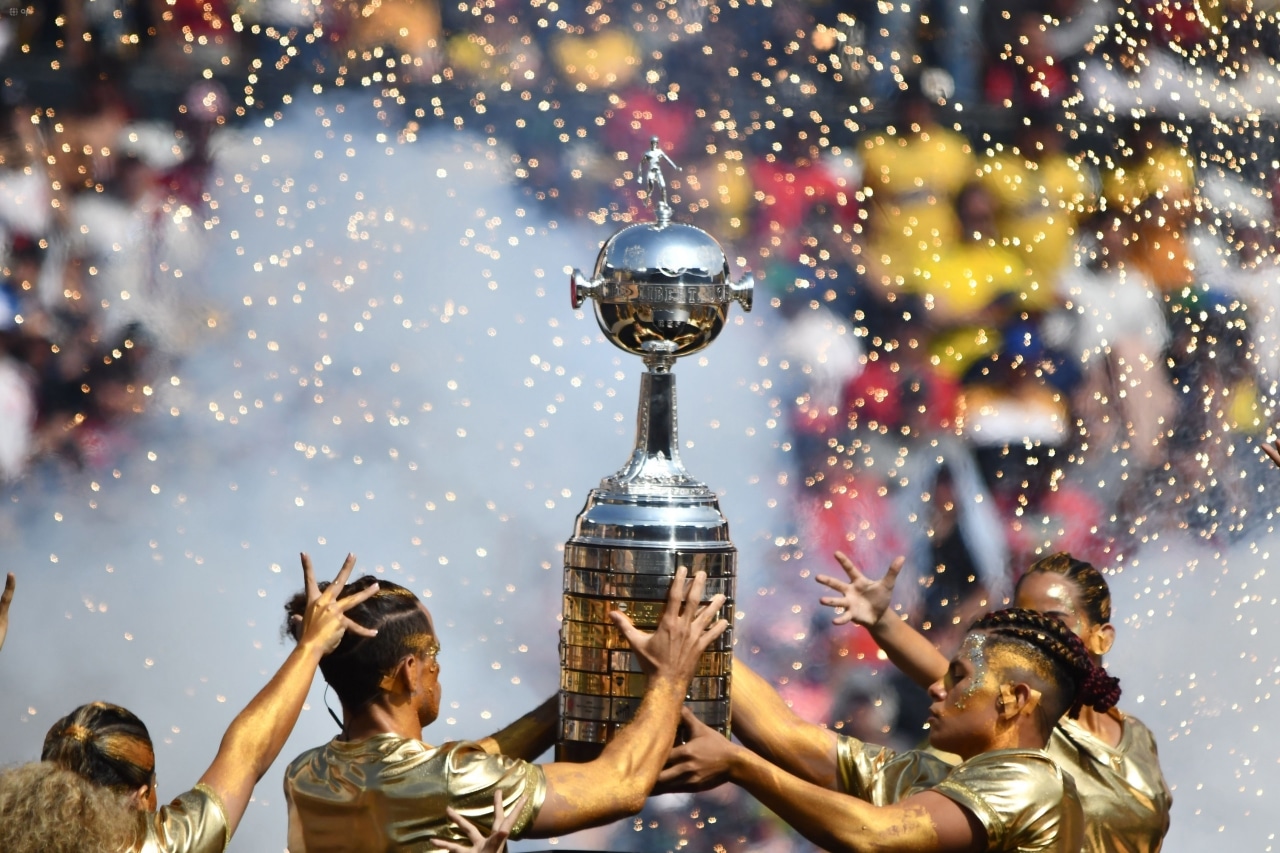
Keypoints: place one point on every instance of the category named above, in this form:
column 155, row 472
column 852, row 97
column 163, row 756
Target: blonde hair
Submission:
column 46, row 809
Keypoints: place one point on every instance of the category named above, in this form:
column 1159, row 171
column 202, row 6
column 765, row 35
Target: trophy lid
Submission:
column 661, row 289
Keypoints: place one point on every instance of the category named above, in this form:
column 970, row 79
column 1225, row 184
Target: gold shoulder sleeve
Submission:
column 474, row 775
column 1021, row 798
column 195, row 822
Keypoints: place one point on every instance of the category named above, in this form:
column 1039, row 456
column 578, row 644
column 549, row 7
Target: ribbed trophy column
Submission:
column 634, row 532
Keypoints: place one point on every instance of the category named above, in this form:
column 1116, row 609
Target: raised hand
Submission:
column 1273, row 450
column 861, row 600
column 326, row 621
column 10, row 584
column 684, row 631
column 701, row 762
column 497, row 840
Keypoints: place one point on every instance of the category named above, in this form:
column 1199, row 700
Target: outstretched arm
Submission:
column 616, row 784
column 865, row 602
column 528, row 737
column 10, row 584
column 258, row 733
column 926, row 822
column 764, row 722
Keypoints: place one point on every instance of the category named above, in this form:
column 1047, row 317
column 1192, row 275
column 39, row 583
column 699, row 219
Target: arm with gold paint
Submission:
column 257, row 734
column 927, row 822
column 764, row 722
column 865, row 602
column 616, row 783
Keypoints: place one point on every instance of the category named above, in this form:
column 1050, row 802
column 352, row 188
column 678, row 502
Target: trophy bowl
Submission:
column 661, row 288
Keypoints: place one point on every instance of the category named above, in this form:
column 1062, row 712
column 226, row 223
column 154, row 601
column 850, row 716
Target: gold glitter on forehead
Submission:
column 973, row 650
column 422, row 644
column 1006, row 656
column 1062, row 594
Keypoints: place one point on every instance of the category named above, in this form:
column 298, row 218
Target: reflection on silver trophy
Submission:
column 661, row 290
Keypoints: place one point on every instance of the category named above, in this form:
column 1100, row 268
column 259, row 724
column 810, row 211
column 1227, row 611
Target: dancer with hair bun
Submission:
column 109, row 746
column 1110, row 754
column 1016, row 673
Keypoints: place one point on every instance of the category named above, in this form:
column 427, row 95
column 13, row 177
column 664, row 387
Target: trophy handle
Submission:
column 743, row 291
column 582, row 288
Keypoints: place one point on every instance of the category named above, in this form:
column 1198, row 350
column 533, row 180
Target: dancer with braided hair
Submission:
column 1016, row 673
column 1111, row 755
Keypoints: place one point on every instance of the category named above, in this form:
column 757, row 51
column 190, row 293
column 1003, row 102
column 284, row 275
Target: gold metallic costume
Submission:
column 1127, row 800
column 1021, row 797
column 388, row 792
column 195, row 822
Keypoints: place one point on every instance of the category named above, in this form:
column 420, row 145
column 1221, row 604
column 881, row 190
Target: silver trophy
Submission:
column 661, row 290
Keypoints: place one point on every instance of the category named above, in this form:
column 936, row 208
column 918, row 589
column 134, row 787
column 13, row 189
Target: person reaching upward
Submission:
column 1111, row 755
column 378, row 787
column 1016, row 673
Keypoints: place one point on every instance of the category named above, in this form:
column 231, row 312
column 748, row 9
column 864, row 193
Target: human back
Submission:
column 388, row 792
column 380, row 786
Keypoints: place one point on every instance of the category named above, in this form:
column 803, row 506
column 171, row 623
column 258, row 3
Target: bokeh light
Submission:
column 284, row 275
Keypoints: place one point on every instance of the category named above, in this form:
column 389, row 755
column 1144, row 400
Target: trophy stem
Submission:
column 655, row 461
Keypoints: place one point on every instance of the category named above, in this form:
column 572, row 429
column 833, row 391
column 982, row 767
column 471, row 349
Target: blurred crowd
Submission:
column 102, row 217
column 1021, row 256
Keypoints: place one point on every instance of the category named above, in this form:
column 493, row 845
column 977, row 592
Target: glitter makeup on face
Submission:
column 974, row 651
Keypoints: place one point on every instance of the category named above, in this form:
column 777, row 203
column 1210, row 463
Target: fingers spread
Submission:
column 849, row 568
column 345, row 572
column 357, row 628
column 1273, row 451
column 694, row 593
column 891, row 574
column 707, row 637
column 627, row 627
column 509, row 822
column 309, row 579
column 345, row 604
column 497, row 806
column 837, row 585
column 467, row 826
column 709, row 610
column 676, row 594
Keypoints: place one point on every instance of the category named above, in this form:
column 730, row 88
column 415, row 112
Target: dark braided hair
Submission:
column 355, row 668
column 1080, row 681
column 1093, row 594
